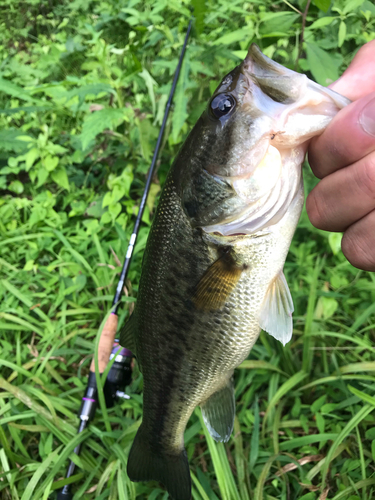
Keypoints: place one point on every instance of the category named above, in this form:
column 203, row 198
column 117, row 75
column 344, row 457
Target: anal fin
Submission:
column 218, row 412
column 276, row 313
column 127, row 334
column 216, row 284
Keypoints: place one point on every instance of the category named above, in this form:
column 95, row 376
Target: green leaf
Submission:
column 42, row 175
column 146, row 135
column 43, row 467
column 258, row 364
column 334, row 240
column 351, row 6
column 259, row 489
column 152, row 194
column 320, row 422
column 16, row 187
column 365, row 397
column 78, row 156
column 323, row 21
column 114, row 210
column 277, row 22
column 360, row 320
column 14, row 90
column 353, row 422
column 25, row 109
column 91, row 89
column 241, row 54
column 364, row 366
column 343, row 495
column 292, row 444
column 235, row 36
column 32, row 155
column 60, row 177
column 368, row 6
column 50, row 162
column 342, row 33
column 56, row 149
column 107, row 200
column 284, row 389
column 199, row 12
column 181, row 100
column 10, row 140
column 223, row 472
column 17, row 293
column 96, row 209
column 322, row 65
column 29, row 265
column 98, row 121
column 80, row 282
column 77, row 208
column 150, row 84
column 328, row 306
column 254, row 443
column 315, row 407
column 322, row 4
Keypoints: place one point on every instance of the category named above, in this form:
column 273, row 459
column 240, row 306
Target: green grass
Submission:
column 70, row 184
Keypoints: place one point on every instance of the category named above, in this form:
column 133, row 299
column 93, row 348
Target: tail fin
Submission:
column 171, row 470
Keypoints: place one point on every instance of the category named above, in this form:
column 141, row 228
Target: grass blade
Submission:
column 284, row 389
column 353, row 422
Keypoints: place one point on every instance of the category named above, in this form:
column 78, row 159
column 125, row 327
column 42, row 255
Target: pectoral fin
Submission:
column 276, row 313
column 127, row 334
column 218, row 412
column 216, row 284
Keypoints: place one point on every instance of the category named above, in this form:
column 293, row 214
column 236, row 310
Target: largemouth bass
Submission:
column 212, row 274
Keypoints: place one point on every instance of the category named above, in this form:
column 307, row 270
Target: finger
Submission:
column 349, row 137
column 343, row 197
column 359, row 78
column 358, row 243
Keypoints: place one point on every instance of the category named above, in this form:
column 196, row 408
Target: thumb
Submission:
column 358, row 79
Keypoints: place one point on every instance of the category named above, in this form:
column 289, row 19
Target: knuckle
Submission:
column 366, row 176
column 339, row 150
column 314, row 163
column 315, row 209
column 358, row 250
column 367, row 50
column 329, row 152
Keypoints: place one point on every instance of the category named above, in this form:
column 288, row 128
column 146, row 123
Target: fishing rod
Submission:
column 119, row 375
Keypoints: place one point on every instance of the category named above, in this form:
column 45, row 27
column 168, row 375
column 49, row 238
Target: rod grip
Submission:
column 106, row 343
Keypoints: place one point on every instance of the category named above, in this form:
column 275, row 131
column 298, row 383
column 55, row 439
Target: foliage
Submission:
column 83, row 88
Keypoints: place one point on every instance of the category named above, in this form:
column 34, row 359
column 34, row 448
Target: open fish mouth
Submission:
column 286, row 109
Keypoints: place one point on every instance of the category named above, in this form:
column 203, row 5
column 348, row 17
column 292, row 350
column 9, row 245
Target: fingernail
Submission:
column 367, row 118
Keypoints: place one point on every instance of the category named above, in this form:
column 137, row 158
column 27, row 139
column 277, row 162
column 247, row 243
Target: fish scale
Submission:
column 196, row 336
column 212, row 273
column 212, row 343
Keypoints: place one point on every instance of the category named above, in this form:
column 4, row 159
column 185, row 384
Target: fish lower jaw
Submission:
column 217, row 237
column 250, row 224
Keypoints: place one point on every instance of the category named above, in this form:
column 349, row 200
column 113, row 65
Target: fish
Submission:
column 212, row 273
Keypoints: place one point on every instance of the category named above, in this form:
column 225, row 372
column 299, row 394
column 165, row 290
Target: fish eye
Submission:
column 222, row 104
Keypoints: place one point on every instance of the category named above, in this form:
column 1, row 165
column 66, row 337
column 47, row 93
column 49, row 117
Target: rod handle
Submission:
column 106, row 340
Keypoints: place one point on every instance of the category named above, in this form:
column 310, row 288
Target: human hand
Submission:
column 344, row 158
